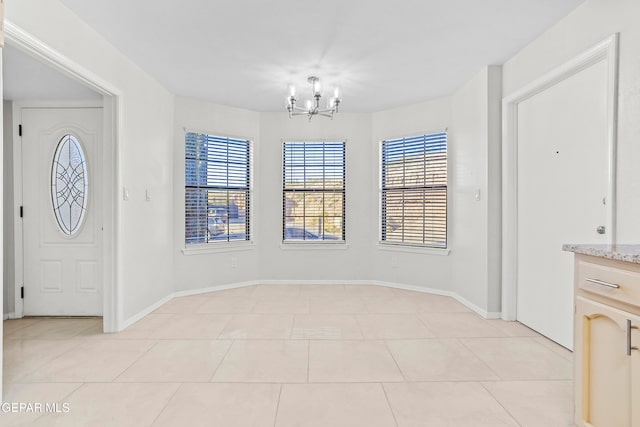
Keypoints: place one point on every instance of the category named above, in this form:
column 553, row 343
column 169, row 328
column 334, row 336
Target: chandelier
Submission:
column 312, row 106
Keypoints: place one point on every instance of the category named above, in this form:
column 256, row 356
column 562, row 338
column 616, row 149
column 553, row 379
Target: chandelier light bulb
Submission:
column 312, row 106
column 336, row 93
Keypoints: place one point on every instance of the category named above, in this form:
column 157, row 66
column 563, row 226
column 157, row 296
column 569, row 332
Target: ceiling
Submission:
column 381, row 53
column 26, row 79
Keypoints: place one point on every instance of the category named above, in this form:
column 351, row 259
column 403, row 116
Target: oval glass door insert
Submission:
column 69, row 185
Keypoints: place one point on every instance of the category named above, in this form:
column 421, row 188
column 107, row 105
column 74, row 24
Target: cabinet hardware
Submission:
column 601, row 283
column 629, row 328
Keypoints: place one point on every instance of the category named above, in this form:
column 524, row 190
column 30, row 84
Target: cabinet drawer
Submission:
column 610, row 282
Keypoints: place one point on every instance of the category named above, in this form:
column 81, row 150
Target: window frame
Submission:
column 308, row 243
column 412, row 247
column 221, row 245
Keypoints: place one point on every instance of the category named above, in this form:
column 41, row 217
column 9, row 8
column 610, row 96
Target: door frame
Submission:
column 606, row 50
column 110, row 203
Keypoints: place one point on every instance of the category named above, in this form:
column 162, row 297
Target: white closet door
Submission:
column 562, row 185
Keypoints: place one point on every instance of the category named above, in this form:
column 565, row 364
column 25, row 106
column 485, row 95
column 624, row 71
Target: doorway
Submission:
column 61, row 210
column 558, row 180
column 99, row 277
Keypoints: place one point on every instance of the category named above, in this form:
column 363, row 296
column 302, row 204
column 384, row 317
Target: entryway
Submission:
column 62, row 128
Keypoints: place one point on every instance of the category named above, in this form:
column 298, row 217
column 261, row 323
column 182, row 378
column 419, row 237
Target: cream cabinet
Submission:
column 607, row 338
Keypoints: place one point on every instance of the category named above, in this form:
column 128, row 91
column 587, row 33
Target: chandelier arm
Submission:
column 312, row 107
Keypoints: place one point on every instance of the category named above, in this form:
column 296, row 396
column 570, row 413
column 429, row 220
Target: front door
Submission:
column 563, row 162
column 61, row 174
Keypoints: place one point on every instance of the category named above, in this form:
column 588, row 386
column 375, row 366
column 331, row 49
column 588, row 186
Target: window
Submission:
column 414, row 190
column 217, row 188
column 313, row 191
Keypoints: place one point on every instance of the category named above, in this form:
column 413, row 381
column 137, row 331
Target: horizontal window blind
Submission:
column 414, row 190
column 217, row 188
column 313, row 191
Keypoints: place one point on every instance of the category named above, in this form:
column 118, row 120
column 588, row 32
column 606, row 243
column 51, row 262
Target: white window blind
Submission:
column 217, row 188
column 313, row 191
column 414, row 190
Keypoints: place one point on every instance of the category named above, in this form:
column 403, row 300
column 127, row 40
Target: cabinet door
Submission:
column 604, row 373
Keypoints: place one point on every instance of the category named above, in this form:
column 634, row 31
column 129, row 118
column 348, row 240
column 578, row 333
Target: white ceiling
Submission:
column 381, row 53
column 26, row 79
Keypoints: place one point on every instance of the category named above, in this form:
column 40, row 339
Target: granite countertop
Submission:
column 627, row 253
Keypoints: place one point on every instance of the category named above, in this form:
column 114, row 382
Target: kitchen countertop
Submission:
column 626, row 253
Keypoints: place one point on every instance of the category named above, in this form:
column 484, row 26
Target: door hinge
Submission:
column 19, row 130
column 21, row 211
column 22, row 292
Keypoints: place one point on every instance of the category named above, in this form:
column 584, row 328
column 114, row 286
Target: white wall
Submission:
column 415, row 268
column 267, row 258
column 7, row 197
column 304, row 262
column 145, row 158
column 213, row 269
column 586, row 26
column 472, row 119
column 475, row 173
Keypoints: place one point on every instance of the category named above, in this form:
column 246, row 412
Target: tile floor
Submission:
column 325, row 356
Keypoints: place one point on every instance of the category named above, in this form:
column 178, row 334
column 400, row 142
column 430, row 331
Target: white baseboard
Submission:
column 315, row 282
column 413, row 288
column 184, row 293
column 190, row 292
column 484, row 313
column 133, row 319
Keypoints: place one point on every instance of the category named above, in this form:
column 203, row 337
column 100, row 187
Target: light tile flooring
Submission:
column 325, row 356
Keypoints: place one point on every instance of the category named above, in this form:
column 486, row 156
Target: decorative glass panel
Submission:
column 69, row 185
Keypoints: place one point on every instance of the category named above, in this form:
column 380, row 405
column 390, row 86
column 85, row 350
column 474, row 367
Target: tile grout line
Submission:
column 308, row 360
column 275, row 418
column 64, row 398
column 499, row 403
column 48, row 361
column 355, row 317
column 293, row 324
column 135, row 361
column 164, row 408
column 386, row 345
column 215, row 371
column 393, row 414
column 480, row 359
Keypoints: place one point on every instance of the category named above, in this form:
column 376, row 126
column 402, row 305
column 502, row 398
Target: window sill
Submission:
column 212, row 248
column 312, row 246
column 413, row 249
